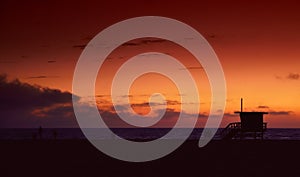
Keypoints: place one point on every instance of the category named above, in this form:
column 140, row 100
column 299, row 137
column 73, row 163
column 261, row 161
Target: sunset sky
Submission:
column 257, row 43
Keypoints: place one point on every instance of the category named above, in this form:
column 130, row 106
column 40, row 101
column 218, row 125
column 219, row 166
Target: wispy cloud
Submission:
column 144, row 42
column 173, row 102
column 293, row 76
column 192, row 68
column 263, row 107
column 102, row 96
column 290, row 76
column 228, row 114
column 41, row 77
column 87, row 38
column 211, row 36
column 130, row 44
column 279, row 113
column 149, row 41
column 79, row 46
column 144, row 104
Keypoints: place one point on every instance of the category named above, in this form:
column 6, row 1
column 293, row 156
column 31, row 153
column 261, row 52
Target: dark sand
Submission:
column 217, row 159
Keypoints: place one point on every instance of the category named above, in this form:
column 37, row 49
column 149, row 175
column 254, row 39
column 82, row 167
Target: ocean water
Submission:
column 138, row 133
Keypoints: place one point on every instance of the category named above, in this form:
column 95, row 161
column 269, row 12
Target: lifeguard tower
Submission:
column 251, row 125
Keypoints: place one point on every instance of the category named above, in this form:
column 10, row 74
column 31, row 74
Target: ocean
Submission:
column 129, row 133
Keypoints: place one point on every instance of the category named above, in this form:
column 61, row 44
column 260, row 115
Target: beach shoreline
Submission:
column 248, row 158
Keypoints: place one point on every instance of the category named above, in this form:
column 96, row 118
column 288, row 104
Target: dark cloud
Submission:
column 149, row 41
column 102, row 96
column 290, row 76
column 23, row 105
column 51, row 61
column 101, row 102
column 202, row 115
column 212, row 36
column 227, row 114
column 15, row 94
column 88, row 38
column 61, row 115
column 41, row 77
column 263, row 107
column 173, row 102
column 169, row 118
column 80, row 46
column 293, row 76
column 130, row 44
column 144, row 42
column 37, row 77
column 170, row 112
column 192, row 68
column 112, row 119
column 125, row 96
column 279, row 113
column 145, row 104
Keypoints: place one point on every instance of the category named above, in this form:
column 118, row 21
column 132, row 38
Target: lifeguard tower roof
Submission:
column 252, row 121
column 253, row 112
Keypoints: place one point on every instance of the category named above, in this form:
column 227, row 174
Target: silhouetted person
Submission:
column 40, row 132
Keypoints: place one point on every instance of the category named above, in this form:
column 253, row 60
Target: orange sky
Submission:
column 256, row 42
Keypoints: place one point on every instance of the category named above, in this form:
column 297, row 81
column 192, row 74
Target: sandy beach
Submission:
column 217, row 159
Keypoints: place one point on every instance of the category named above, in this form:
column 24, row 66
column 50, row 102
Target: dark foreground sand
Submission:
column 217, row 159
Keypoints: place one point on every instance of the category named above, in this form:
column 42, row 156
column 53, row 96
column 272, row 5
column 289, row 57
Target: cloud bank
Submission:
column 25, row 105
column 29, row 106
